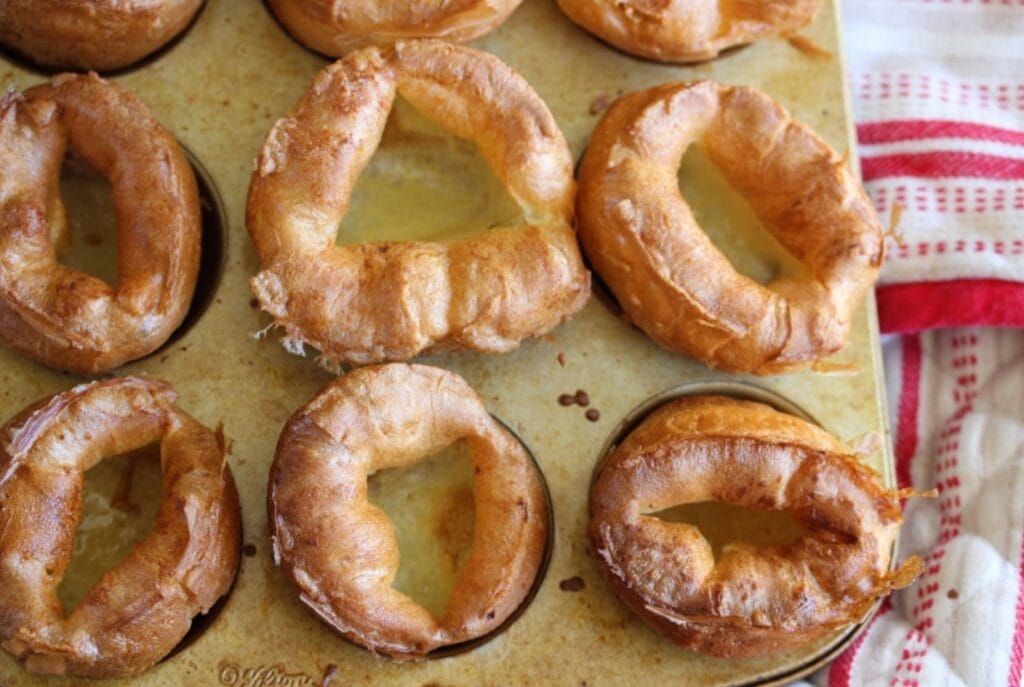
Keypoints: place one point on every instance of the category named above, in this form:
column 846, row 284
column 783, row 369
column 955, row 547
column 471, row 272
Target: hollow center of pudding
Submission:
column 431, row 506
column 89, row 207
column 120, row 500
column 724, row 523
column 424, row 184
column 731, row 224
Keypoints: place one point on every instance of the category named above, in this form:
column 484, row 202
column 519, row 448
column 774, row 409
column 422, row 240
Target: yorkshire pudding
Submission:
column 375, row 302
column 688, row 30
column 751, row 601
column 139, row 610
column 671, row 280
column 100, row 35
column 340, row 550
column 326, row 27
column 57, row 315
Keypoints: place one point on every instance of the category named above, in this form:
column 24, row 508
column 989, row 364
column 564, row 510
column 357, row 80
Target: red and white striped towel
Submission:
column 958, row 413
column 938, row 93
column 938, row 96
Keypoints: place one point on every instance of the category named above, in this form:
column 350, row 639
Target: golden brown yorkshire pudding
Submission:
column 100, row 35
column 752, row 600
column 671, row 280
column 333, row 28
column 375, row 302
column 140, row 609
column 62, row 317
column 340, row 550
column 688, row 30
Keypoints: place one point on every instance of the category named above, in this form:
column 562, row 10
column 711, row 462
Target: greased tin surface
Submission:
column 219, row 90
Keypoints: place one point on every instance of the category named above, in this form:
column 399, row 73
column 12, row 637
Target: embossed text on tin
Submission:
column 234, row 675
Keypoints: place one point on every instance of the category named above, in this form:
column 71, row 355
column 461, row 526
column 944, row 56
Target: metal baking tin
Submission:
column 218, row 90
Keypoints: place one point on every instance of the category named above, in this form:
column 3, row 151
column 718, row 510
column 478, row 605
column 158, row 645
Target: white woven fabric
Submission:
column 958, row 410
column 938, row 97
column 938, row 91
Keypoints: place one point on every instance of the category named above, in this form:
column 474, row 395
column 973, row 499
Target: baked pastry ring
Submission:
column 323, row 26
column 687, row 30
column 375, row 302
column 100, row 35
column 139, row 610
column 671, row 280
column 340, row 550
column 62, row 317
column 753, row 600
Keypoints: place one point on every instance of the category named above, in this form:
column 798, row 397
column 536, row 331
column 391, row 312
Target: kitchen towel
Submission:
column 938, row 98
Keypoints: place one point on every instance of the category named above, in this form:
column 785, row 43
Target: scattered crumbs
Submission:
column 249, row 550
column 593, row 415
column 599, row 104
column 809, row 48
column 830, row 369
column 953, row 594
column 183, row 348
column 573, row 584
column 328, row 676
column 122, row 500
column 92, row 239
column 254, row 303
column 580, row 398
column 561, row 359
column 894, row 225
column 163, row 358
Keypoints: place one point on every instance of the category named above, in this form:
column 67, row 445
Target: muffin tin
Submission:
column 219, row 89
